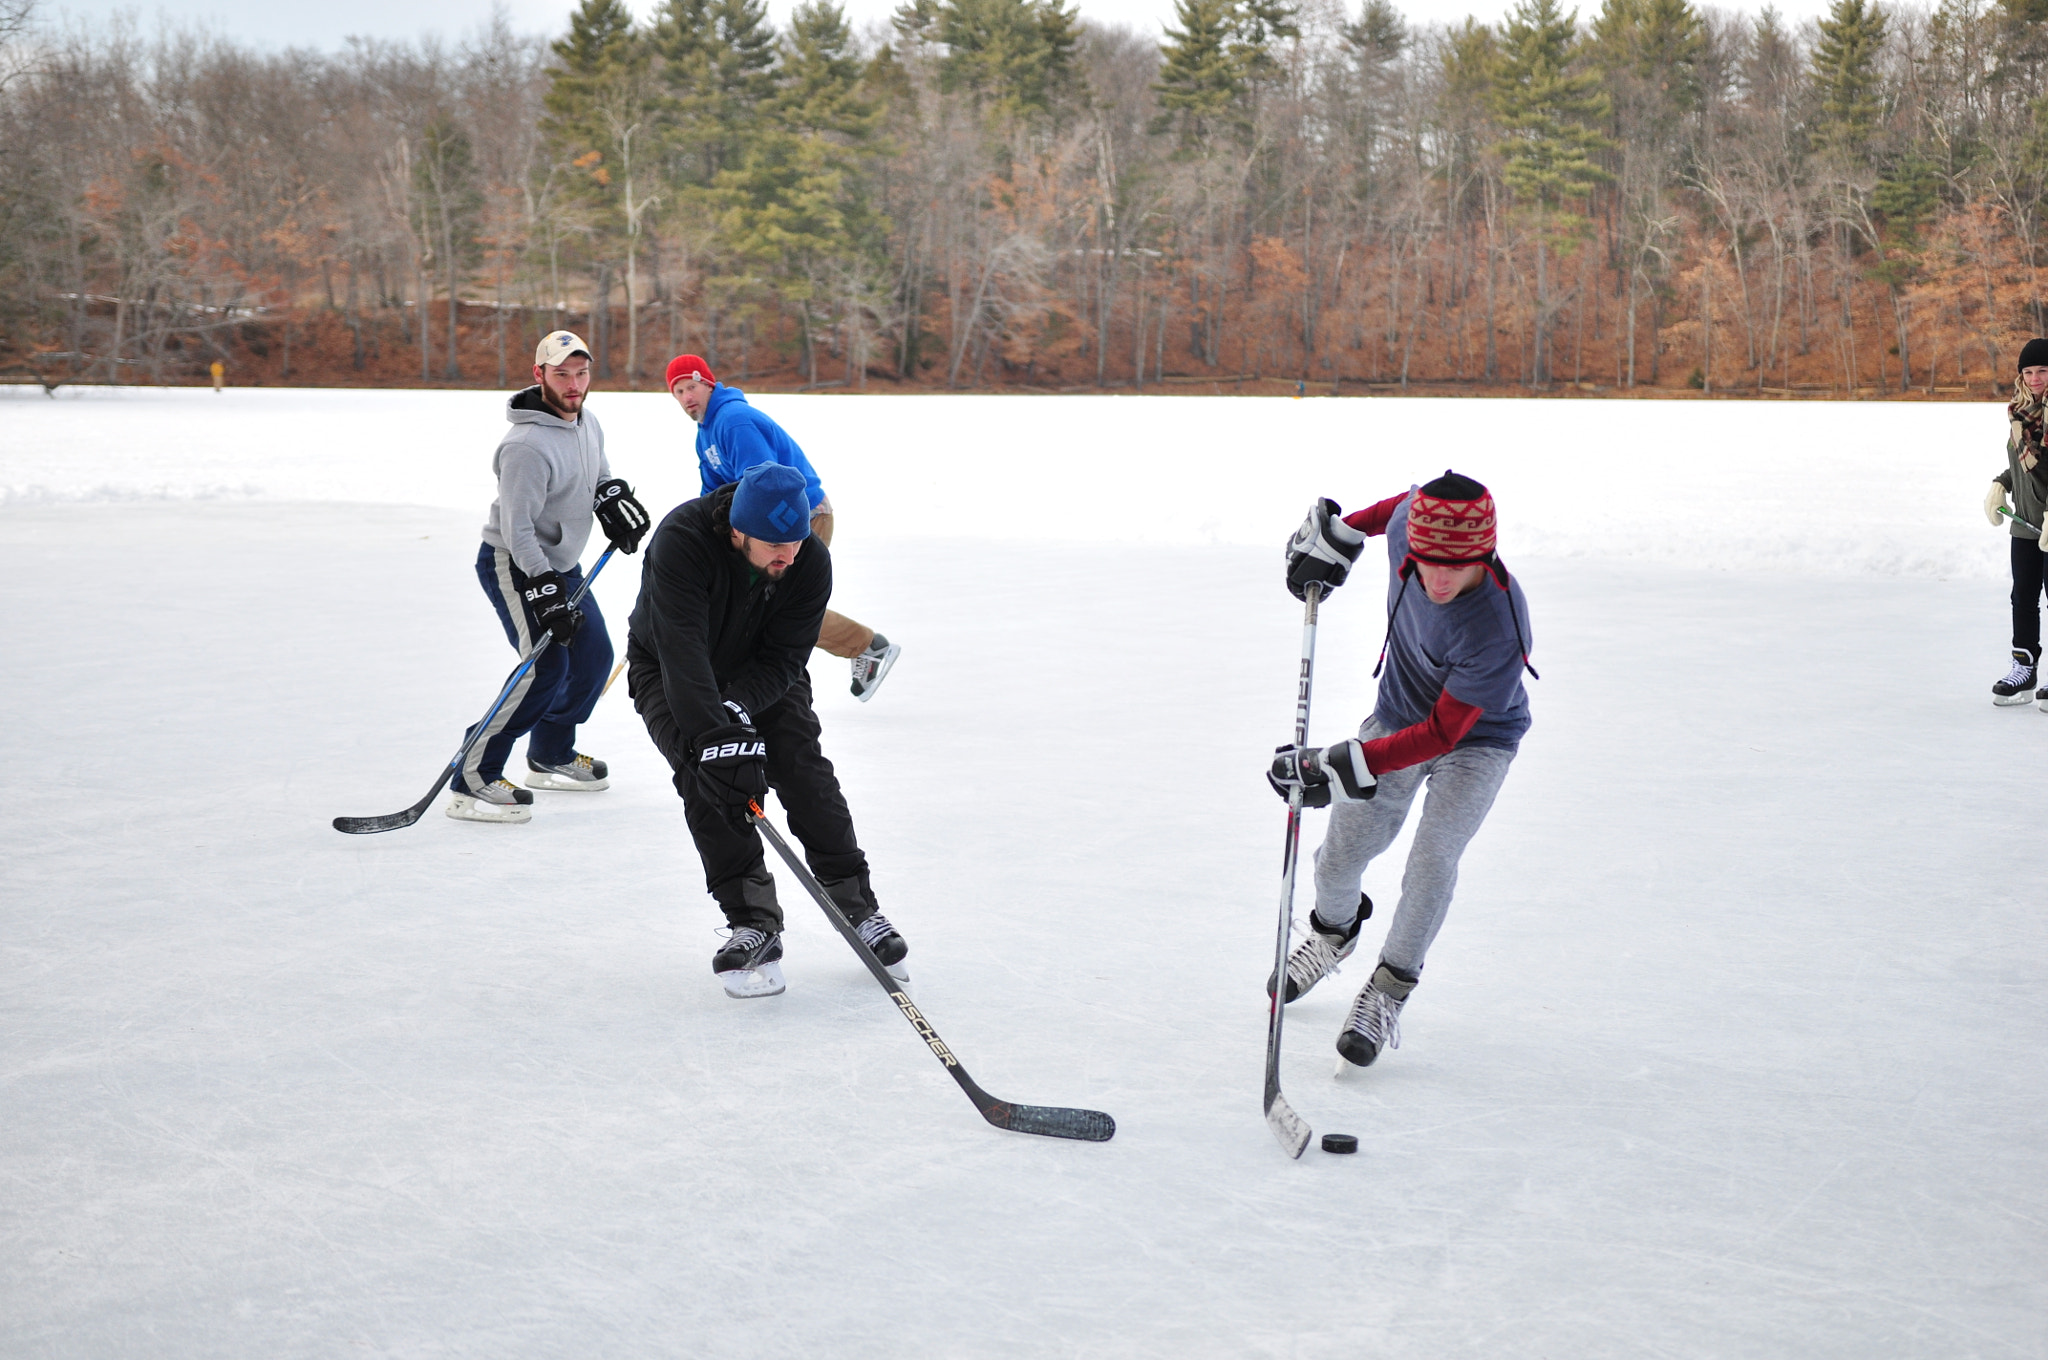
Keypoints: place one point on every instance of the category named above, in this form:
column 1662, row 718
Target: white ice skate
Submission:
column 749, row 964
column 747, row 983
column 873, row 665
column 578, row 774
column 499, row 801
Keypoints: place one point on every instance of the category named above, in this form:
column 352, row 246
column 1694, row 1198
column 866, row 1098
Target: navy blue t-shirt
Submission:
column 1467, row 647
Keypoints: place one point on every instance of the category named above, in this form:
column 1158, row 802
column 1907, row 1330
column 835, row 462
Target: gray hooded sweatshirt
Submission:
column 548, row 469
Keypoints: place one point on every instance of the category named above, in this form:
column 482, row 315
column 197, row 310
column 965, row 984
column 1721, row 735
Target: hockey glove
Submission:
column 1333, row 774
column 1322, row 549
column 1994, row 501
column 732, row 765
column 623, row 519
column 547, row 600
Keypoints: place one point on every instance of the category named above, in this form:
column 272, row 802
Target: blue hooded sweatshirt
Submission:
column 733, row 436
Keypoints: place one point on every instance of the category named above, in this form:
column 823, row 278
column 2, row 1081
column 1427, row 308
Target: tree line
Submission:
column 992, row 193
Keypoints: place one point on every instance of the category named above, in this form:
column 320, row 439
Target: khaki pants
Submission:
column 838, row 635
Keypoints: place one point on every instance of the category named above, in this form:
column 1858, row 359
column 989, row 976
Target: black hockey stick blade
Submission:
column 1048, row 1121
column 393, row 821
column 1052, row 1121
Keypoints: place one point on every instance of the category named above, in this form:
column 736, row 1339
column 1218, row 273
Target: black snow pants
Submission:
column 2027, row 563
column 734, row 869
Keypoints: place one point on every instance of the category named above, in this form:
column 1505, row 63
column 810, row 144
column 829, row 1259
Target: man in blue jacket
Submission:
column 733, row 436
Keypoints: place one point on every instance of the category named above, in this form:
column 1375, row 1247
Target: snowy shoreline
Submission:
column 1830, row 489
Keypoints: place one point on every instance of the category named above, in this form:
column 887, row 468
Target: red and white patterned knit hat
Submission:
column 1451, row 522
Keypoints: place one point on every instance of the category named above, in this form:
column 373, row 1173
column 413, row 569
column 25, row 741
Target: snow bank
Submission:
column 1792, row 488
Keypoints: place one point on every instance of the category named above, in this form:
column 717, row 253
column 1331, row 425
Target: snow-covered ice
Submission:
column 1731, row 1046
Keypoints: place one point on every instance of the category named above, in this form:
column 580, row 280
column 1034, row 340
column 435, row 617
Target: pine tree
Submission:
column 1846, row 79
column 1546, row 112
column 718, row 64
column 1200, row 80
column 1015, row 57
column 798, row 212
column 603, row 120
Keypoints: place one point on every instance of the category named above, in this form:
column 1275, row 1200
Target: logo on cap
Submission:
column 557, row 346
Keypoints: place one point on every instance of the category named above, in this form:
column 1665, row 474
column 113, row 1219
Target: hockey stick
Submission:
column 2030, row 528
column 392, row 821
column 1053, row 1121
column 1290, row 1128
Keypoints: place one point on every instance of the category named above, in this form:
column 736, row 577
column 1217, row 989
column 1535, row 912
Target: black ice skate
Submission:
column 1375, row 1021
column 2018, row 685
column 889, row 948
column 749, row 963
column 1321, row 954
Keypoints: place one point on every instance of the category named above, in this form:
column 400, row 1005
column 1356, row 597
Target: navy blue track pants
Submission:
column 553, row 697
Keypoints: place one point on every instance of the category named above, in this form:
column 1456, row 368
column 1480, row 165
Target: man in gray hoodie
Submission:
column 552, row 477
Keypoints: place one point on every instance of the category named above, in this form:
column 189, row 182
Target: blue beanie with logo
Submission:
column 770, row 504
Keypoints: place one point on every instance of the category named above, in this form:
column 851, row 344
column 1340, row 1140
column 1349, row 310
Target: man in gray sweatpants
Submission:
column 552, row 477
column 1451, row 714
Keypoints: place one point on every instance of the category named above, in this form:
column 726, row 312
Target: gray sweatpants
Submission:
column 1462, row 784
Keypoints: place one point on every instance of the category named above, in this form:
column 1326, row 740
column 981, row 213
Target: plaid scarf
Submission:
column 2027, row 411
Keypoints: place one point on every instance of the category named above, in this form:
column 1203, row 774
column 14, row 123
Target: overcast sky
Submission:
column 282, row 23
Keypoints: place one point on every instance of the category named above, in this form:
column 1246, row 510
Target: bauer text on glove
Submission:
column 732, row 764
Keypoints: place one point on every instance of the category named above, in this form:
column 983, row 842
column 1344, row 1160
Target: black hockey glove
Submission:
column 1322, row 549
column 547, row 599
column 623, row 519
column 1333, row 774
column 732, row 766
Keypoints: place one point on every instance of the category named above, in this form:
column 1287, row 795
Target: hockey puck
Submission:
column 1340, row 1142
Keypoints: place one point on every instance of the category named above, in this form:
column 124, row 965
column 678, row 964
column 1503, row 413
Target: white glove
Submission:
column 1994, row 501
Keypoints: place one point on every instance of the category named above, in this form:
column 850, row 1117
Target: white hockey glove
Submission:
column 1322, row 549
column 1332, row 774
column 1994, row 501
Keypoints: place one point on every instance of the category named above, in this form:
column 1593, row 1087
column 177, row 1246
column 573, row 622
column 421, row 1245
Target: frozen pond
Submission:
column 1731, row 1046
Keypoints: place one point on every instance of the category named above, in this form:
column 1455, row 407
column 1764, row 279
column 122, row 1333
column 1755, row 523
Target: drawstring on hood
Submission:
column 1494, row 568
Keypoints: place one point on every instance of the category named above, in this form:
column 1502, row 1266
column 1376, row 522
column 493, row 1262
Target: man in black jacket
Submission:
column 731, row 598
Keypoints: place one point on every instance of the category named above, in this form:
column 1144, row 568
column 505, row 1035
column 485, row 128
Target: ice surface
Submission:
column 1731, row 1046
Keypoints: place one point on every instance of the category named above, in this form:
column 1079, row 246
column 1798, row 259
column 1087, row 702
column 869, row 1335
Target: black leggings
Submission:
column 2027, row 562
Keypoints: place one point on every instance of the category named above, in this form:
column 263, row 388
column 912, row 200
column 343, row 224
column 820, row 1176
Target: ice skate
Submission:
column 497, row 801
column 888, row 947
column 1375, row 1021
column 577, row 774
column 2018, row 685
column 873, row 665
column 749, row 963
column 1322, row 953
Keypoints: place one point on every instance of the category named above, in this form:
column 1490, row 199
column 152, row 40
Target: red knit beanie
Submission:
column 1451, row 522
column 689, row 366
